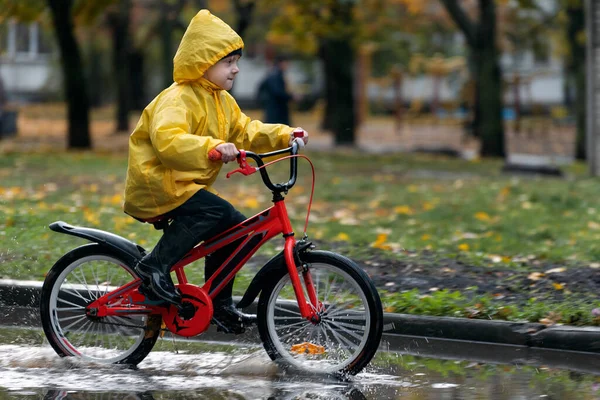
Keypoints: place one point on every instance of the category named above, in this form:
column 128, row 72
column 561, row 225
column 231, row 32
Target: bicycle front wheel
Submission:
column 77, row 279
column 351, row 318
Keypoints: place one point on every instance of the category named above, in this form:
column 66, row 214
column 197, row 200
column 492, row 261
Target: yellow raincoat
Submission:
column 168, row 150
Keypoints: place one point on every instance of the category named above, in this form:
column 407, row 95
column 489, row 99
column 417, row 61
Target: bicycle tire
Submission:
column 65, row 294
column 348, row 335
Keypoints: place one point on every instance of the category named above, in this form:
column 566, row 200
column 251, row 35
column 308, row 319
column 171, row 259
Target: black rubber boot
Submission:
column 159, row 283
column 229, row 319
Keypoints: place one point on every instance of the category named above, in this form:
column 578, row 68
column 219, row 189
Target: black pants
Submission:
column 202, row 217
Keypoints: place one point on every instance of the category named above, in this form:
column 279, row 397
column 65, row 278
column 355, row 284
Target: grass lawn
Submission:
column 388, row 206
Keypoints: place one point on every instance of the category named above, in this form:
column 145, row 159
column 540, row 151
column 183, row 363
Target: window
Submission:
column 22, row 39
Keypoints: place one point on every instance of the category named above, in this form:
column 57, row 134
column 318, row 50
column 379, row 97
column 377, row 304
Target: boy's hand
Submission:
column 228, row 152
column 303, row 138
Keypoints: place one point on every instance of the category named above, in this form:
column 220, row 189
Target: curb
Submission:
column 23, row 297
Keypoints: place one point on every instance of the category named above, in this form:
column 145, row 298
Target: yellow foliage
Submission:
column 380, row 242
column 428, row 206
column 343, row 236
column 504, row 192
column 413, row 6
column 91, row 217
column 463, row 247
column 251, row 203
column 403, row 210
column 482, row 216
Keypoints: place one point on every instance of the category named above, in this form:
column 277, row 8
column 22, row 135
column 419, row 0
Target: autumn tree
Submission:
column 481, row 37
column 63, row 14
column 73, row 76
column 331, row 30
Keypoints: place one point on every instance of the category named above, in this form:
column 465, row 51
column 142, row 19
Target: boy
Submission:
column 169, row 173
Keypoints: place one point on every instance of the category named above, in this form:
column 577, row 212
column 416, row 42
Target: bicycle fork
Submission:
column 310, row 309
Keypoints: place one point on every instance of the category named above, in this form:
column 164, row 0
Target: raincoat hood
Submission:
column 206, row 40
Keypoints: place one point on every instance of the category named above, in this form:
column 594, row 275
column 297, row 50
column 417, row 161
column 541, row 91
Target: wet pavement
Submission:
column 29, row 369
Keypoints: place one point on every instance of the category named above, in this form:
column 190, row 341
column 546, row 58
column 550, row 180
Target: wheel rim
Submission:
column 108, row 339
column 331, row 345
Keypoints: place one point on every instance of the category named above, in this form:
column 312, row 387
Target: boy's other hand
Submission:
column 228, row 152
column 304, row 138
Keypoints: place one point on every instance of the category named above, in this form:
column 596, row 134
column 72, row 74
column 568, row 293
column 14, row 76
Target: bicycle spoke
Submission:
column 341, row 338
column 107, row 339
column 75, row 293
column 280, row 327
column 346, row 331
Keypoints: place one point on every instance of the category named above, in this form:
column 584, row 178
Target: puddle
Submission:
column 30, row 369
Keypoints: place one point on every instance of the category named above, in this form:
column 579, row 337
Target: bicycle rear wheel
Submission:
column 77, row 279
column 351, row 318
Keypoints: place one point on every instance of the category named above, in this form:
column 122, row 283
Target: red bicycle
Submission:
column 317, row 311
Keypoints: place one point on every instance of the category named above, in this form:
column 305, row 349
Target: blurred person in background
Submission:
column 273, row 95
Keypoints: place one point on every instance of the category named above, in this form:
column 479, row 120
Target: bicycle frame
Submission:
column 255, row 231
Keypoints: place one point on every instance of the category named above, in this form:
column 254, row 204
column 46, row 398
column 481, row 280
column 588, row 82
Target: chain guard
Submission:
column 202, row 312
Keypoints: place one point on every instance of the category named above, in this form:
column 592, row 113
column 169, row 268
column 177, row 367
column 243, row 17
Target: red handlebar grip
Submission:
column 298, row 133
column 214, row 155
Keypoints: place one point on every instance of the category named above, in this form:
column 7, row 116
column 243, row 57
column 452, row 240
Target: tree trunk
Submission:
column 244, row 11
column 339, row 117
column 166, row 31
column 481, row 39
column 95, row 81
column 490, row 126
column 121, row 49
column 73, row 76
column 576, row 72
column 137, row 80
column 338, row 58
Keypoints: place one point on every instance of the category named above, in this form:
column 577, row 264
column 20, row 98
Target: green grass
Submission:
column 392, row 205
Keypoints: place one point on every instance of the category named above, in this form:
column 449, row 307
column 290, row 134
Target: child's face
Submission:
column 223, row 72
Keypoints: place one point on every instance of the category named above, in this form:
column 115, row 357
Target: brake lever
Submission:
column 245, row 168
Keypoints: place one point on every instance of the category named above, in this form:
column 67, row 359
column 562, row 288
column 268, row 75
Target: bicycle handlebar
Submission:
column 246, row 169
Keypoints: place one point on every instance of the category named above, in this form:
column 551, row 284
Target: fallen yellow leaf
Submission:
column 463, row 247
column 535, row 276
column 482, row 216
column 403, row 210
column 342, row 236
column 556, row 270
